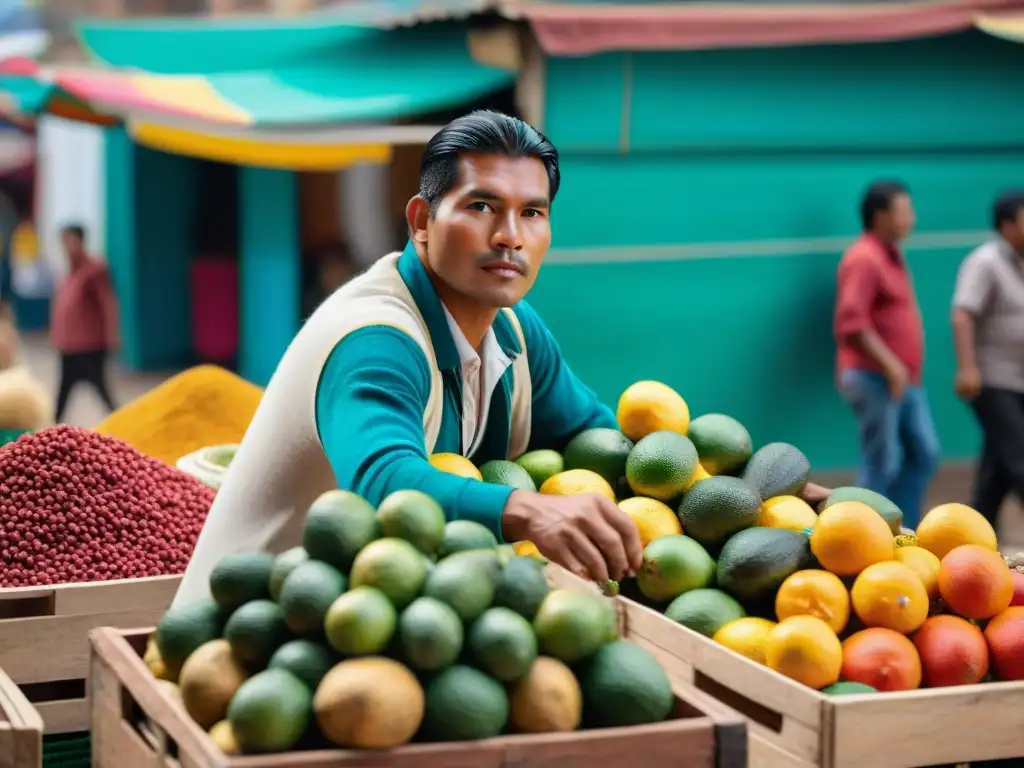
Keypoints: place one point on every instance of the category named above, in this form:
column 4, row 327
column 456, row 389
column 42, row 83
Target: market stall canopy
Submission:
column 581, row 28
column 225, row 44
column 307, row 106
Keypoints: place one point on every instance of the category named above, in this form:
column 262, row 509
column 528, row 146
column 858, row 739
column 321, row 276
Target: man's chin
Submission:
column 500, row 299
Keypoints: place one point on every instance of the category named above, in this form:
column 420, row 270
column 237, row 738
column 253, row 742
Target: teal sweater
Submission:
column 374, row 388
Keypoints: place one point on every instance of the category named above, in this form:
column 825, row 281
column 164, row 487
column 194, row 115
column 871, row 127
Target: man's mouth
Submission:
column 504, row 269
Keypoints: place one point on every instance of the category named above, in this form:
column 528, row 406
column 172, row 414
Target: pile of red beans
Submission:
column 79, row 506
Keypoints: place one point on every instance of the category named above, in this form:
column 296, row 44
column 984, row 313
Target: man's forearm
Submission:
column 871, row 343
column 963, row 339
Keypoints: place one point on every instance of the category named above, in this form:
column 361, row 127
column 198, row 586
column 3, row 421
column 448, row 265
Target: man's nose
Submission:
column 507, row 234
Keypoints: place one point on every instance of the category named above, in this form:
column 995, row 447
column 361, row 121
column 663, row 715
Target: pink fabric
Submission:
column 580, row 30
column 215, row 309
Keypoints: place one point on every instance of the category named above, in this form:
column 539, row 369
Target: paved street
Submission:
column 85, row 408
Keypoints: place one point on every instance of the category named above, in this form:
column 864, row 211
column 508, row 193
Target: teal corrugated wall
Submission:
column 151, row 198
column 707, row 197
column 270, row 269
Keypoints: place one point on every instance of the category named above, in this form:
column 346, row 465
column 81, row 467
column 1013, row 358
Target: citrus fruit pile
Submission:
column 845, row 600
column 390, row 625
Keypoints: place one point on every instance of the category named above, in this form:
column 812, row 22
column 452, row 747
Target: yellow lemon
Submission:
column 454, row 464
column 698, row 474
column 575, row 481
column 788, row 512
column 805, row 649
column 924, row 564
column 814, row 593
column 890, row 595
column 653, row 518
column 746, row 636
column 527, row 549
column 850, row 536
column 650, row 406
column 948, row 526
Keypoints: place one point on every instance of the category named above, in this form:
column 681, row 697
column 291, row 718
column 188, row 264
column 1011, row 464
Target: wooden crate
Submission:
column 135, row 723
column 793, row 726
column 44, row 638
column 21, row 728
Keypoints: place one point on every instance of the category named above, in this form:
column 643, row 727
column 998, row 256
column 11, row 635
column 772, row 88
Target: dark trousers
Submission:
column 1000, row 413
column 87, row 367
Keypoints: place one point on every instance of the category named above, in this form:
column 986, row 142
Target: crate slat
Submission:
column 21, row 728
column 44, row 637
column 793, row 726
column 134, row 722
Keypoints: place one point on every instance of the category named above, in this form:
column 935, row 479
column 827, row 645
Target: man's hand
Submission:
column 967, row 383
column 815, row 495
column 898, row 378
column 586, row 533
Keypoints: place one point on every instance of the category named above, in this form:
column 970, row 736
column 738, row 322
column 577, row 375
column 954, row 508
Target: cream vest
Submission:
column 281, row 467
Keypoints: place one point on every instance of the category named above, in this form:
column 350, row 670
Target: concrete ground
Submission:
column 85, row 409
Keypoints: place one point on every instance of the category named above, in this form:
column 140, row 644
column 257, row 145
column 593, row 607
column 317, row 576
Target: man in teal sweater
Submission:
column 431, row 350
column 480, row 229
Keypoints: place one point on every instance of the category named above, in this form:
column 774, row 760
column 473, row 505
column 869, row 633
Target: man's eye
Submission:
column 479, row 206
column 531, row 213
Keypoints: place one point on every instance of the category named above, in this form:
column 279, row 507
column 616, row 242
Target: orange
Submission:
column 1018, row 587
column 1005, row 636
column 849, row 536
column 650, row 406
column 924, row 564
column 953, row 652
column 805, row 649
column 788, row 512
column 883, row 659
column 890, row 595
column 574, row 481
column 975, row 582
column 454, row 464
column 746, row 636
column 814, row 593
column 653, row 519
column 948, row 526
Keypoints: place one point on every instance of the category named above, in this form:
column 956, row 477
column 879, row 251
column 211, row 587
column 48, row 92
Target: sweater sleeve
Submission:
column 369, row 414
column 563, row 406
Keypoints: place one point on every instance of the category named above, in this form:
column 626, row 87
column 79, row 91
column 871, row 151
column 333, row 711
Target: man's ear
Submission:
column 417, row 212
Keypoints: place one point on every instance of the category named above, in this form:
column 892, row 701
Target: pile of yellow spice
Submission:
column 203, row 406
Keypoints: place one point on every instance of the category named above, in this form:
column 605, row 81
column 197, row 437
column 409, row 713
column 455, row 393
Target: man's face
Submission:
column 902, row 216
column 491, row 232
column 72, row 243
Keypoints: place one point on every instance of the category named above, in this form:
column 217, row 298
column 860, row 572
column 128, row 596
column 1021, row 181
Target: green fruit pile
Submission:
column 391, row 625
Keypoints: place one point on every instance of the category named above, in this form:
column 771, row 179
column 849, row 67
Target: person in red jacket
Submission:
column 880, row 339
column 83, row 326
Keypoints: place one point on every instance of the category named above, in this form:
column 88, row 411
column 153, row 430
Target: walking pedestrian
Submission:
column 84, row 322
column 988, row 334
column 880, row 339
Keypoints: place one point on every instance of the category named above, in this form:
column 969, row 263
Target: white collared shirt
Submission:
column 480, row 376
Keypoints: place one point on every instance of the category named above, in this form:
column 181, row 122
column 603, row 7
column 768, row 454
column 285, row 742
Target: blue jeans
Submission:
column 899, row 446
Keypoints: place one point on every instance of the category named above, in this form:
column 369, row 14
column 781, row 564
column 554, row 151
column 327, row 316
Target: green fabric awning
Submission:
column 371, row 75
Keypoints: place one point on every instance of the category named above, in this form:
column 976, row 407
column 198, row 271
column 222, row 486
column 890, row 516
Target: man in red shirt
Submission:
column 84, row 322
column 880, row 339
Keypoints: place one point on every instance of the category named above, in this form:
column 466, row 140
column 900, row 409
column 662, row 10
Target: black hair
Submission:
column 74, row 229
column 1006, row 208
column 485, row 132
column 878, row 199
